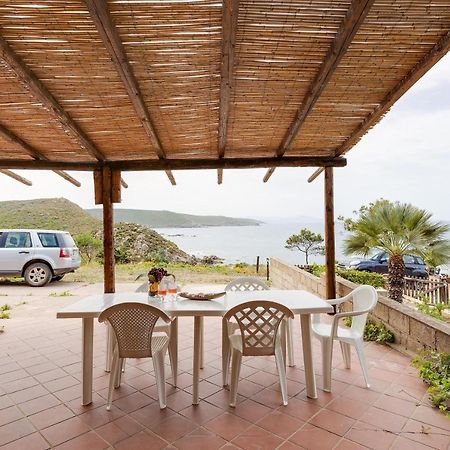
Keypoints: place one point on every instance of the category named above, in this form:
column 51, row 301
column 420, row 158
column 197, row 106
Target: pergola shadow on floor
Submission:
column 40, row 404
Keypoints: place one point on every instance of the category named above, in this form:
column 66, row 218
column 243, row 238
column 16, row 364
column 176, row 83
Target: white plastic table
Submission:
column 300, row 302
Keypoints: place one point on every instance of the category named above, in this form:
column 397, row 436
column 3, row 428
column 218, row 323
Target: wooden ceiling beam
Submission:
column 178, row 164
column 109, row 35
column 230, row 11
column 39, row 91
column 9, row 136
column 349, row 27
column 16, row 177
column 418, row 71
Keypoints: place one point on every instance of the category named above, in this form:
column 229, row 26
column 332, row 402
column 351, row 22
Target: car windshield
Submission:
column 377, row 256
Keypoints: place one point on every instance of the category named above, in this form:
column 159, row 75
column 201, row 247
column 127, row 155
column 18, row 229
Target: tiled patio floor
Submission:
column 40, row 399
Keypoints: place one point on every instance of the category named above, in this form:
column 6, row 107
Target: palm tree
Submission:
column 398, row 229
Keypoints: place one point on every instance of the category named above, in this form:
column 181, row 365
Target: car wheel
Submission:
column 58, row 278
column 37, row 274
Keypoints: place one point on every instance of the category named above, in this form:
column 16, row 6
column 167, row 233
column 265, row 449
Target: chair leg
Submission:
column 290, row 343
column 112, row 379
column 346, row 354
column 235, row 371
column 359, row 345
column 327, row 359
column 109, row 347
column 281, row 373
column 173, row 350
column 118, row 370
column 158, row 364
column 226, row 353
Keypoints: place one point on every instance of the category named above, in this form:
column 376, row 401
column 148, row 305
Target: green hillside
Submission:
column 53, row 213
column 167, row 219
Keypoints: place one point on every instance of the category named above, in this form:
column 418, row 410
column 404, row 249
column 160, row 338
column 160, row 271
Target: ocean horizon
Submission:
column 244, row 243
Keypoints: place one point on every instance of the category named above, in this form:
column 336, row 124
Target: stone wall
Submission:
column 413, row 330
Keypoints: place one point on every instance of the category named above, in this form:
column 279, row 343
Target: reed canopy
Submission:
column 173, row 84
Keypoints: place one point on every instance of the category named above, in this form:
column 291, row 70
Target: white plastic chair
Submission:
column 133, row 325
column 260, row 335
column 160, row 327
column 364, row 299
column 253, row 284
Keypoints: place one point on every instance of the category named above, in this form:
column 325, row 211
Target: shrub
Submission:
column 374, row 332
column 356, row 276
column 435, row 311
column 434, row 369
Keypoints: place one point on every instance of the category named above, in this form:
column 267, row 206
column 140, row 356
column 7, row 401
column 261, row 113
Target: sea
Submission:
column 236, row 244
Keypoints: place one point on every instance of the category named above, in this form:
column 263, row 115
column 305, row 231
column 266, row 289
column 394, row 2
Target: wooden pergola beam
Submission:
column 108, row 33
column 16, row 177
column 178, row 164
column 417, row 72
column 230, row 11
column 11, row 137
column 349, row 27
column 37, row 88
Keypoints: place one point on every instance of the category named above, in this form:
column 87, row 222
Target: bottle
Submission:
column 162, row 290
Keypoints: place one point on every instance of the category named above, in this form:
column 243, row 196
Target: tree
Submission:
column 88, row 246
column 398, row 229
column 307, row 242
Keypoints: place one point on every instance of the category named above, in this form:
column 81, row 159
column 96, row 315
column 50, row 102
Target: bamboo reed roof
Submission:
column 134, row 80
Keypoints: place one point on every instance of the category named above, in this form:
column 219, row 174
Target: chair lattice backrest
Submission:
column 246, row 284
column 259, row 321
column 133, row 325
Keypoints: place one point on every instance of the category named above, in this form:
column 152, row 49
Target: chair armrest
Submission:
column 338, row 316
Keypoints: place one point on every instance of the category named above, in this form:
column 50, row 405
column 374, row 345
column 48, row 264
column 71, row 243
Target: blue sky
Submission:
column 405, row 157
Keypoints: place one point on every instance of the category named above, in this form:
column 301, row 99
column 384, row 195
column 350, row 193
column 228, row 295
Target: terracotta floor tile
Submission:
column 251, row 411
column 39, row 404
column 348, row 407
column 10, row 414
column 5, row 402
column 128, row 425
column 431, row 416
column 89, row 441
column 50, row 375
column 31, row 442
column 141, row 381
column 205, row 389
column 173, row 428
column 50, row 416
column 228, row 425
column 18, row 385
column 199, row 439
column 396, row 405
column 133, row 401
column 287, row 445
column 64, row 431
column 300, row 409
column 383, row 419
column 366, row 434
column 179, row 400
column 111, row 433
column 15, row 430
column 99, row 416
column 282, row 425
column 403, row 443
column 28, row 394
column 151, row 415
column 312, row 438
column 332, row 421
column 361, row 394
column 142, row 440
column 201, row 413
column 345, row 444
column 263, row 378
column 255, row 438
column 426, row 434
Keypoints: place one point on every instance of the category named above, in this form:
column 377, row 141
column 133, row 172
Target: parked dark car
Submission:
column 414, row 265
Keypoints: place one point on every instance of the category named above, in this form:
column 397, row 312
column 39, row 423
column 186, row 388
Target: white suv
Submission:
column 37, row 255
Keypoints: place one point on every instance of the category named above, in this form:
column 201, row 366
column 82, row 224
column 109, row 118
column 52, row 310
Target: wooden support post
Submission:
column 107, row 183
column 330, row 253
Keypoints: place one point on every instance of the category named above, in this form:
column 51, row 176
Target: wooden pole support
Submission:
column 16, row 177
column 330, row 254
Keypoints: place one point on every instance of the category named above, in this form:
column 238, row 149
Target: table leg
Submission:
column 225, row 352
column 197, row 343
column 305, row 322
column 202, row 338
column 87, row 362
column 173, row 344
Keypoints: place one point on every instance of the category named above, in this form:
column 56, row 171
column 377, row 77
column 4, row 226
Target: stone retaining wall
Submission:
column 413, row 330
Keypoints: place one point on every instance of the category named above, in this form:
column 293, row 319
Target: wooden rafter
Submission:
column 16, row 177
column 350, row 25
column 102, row 19
column 417, row 72
column 9, row 136
column 179, row 164
column 230, row 11
column 37, row 88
